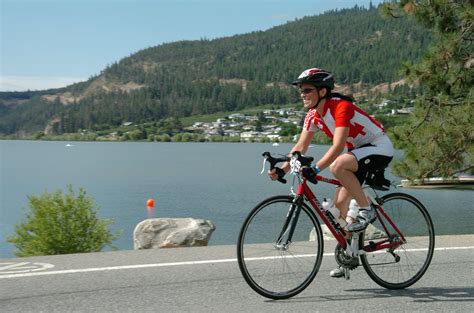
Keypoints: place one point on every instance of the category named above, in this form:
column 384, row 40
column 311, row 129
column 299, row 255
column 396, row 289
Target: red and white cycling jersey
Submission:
column 363, row 129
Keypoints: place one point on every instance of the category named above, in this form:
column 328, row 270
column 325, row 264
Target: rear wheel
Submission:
column 279, row 269
column 401, row 265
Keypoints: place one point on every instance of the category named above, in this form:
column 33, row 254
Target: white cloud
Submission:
column 23, row 83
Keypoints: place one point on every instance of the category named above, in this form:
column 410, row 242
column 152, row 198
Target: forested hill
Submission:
column 206, row 76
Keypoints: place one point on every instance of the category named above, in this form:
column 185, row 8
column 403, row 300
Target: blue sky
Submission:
column 53, row 43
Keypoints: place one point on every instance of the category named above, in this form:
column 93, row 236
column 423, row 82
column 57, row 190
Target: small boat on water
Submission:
column 275, row 144
column 440, row 182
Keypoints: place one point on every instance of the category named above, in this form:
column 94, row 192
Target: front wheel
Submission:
column 409, row 256
column 279, row 260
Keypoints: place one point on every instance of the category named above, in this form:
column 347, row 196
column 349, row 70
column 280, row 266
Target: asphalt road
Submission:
column 207, row 279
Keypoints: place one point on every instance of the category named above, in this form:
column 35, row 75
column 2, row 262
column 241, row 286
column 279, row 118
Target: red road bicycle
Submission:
column 280, row 245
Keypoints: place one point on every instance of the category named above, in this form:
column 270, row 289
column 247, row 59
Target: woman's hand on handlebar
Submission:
column 310, row 173
column 278, row 173
column 273, row 174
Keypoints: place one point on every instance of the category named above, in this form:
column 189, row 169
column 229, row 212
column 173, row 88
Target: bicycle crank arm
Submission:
column 347, row 273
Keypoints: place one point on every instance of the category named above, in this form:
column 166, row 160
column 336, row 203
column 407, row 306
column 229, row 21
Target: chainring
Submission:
column 344, row 260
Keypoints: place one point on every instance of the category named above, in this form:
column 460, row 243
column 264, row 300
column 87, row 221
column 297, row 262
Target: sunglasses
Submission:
column 307, row 91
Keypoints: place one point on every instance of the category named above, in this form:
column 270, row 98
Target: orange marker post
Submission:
column 150, row 204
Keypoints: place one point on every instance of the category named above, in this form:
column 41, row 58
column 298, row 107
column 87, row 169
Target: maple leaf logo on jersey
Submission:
column 356, row 130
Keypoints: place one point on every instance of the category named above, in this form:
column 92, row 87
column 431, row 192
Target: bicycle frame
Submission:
column 304, row 191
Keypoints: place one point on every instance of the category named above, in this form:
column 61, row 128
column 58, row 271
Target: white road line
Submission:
column 12, row 265
column 126, row 267
column 23, row 267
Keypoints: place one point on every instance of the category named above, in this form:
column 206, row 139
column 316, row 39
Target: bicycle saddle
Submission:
column 376, row 179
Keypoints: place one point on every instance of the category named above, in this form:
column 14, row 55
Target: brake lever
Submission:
column 263, row 167
column 278, row 170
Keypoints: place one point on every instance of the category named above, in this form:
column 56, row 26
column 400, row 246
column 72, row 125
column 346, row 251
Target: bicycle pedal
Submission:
column 347, row 273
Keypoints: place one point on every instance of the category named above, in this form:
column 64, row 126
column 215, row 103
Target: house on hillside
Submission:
column 404, row 111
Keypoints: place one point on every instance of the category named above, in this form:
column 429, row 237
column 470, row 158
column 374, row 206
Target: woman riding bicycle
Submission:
column 348, row 126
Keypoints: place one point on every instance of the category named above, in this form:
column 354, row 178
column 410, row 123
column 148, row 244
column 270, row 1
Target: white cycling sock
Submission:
column 354, row 212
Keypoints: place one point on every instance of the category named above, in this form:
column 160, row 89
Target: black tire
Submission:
column 279, row 273
column 409, row 261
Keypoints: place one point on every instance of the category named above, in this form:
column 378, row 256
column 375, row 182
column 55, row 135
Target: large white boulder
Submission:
column 172, row 232
column 327, row 235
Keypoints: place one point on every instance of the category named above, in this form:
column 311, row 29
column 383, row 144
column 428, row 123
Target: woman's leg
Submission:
column 343, row 168
column 342, row 198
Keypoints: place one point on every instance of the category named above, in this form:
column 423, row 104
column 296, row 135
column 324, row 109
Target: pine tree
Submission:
column 439, row 139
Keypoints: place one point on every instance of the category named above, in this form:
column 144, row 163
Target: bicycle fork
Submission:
column 288, row 229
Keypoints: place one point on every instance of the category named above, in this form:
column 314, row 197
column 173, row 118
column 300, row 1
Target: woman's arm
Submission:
column 338, row 145
column 303, row 143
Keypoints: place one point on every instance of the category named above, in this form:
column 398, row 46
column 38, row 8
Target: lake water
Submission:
column 216, row 181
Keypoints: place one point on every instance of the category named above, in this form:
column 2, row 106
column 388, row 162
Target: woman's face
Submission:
column 309, row 95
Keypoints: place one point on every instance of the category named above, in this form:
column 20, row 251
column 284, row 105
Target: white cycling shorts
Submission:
column 380, row 146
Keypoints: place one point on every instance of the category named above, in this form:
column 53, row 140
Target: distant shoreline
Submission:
column 143, row 141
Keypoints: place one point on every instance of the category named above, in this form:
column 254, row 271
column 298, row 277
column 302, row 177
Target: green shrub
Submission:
column 58, row 224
